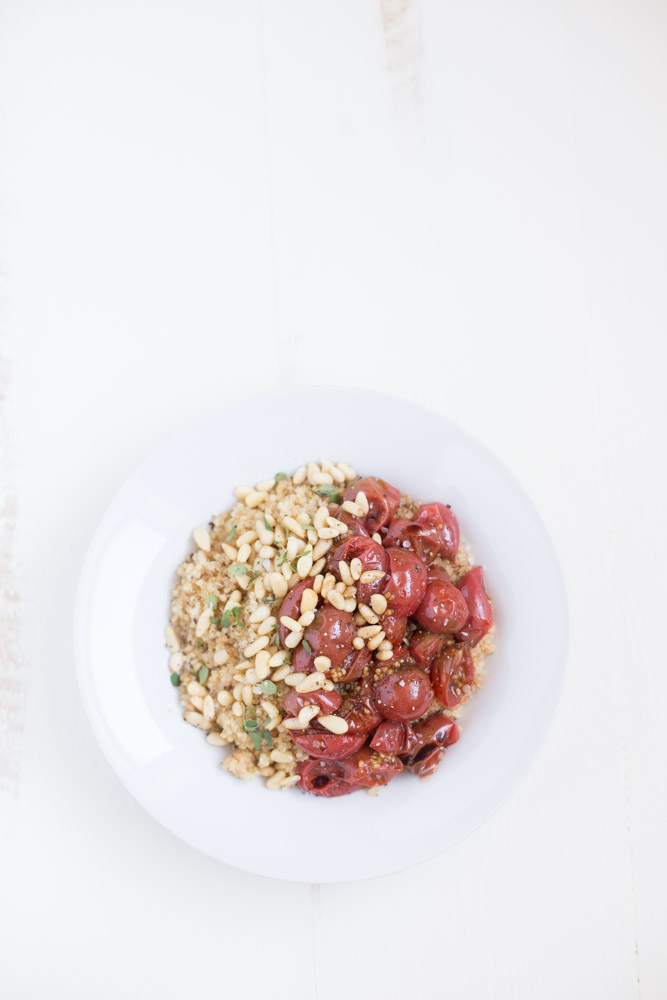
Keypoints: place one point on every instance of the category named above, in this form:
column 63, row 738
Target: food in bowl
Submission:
column 327, row 629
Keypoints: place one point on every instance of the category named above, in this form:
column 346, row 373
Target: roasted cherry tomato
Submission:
column 424, row 647
column 452, row 674
column 405, row 585
column 443, row 608
column 352, row 666
column 366, row 769
column 330, row 634
column 328, row 746
column 360, row 710
column 432, row 735
column 371, row 555
column 393, row 628
column 400, row 534
column 291, row 606
column 355, row 525
column 404, row 695
column 323, row 777
column 438, row 574
column 327, row 701
column 393, row 737
column 440, row 536
column 383, row 499
column 481, row 613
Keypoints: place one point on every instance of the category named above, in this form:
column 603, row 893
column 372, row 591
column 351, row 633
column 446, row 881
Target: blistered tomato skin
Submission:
column 325, row 745
column 442, row 528
column 405, row 585
column 352, row 666
column 327, row 701
column 393, row 628
column 400, row 534
column 432, row 736
column 481, row 613
column 452, row 674
column 424, row 647
column 404, row 695
column 323, row 777
column 383, row 499
column 331, row 634
column 443, row 608
column 393, row 738
column 370, row 554
column 363, row 769
column 366, row 769
column 360, row 710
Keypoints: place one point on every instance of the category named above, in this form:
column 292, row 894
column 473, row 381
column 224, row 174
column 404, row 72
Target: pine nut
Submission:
column 229, row 551
column 264, row 534
column 244, row 553
column 290, row 782
column 260, row 589
column 322, row 479
column 237, row 709
column 318, row 567
column 255, row 646
column 269, row 708
column 345, row 573
column 320, row 518
column 371, row 576
column 267, row 626
column 368, row 614
column 306, row 619
column 275, row 721
column 247, row 695
column 334, row 724
column 197, row 702
column 262, row 668
column 328, row 685
column 273, row 782
column 308, row 600
column 293, row 639
column 341, row 587
column 361, row 501
column 286, row 571
column 336, row 474
column 300, row 475
column 278, row 585
column 304, row 565
column 215, row 739
column 294, row 546
column 368, row 630
column 282, row 672
column 350, row 605
column 292, row 724
column 322, row 663
column 377, row 537
column 308, row 713
column 375, row 641
column 220, row 657
column 204, row 622
column 243, row 491
column 312, row 682
column 385, row 644
column 281, row 756
column 358, row 642
column 259, row 615
column 328, row 582
column 321, row 548
column 293, row 680
column 238, row 688
column 317, row 583
column 245, row 539
column 356, row 568
column 277, row 659
column 251, row 674
column 347, row 471
column 352, row 508
column 294, row 527
column 328, row 532
column 265, row 486
column 202, row 538
column 336, row 599
column 333, row 522
column 209, row 708
column 266, row 552
column 290, row 623
column 175, row 662
column 195, row 688
column 255, row 499
column 173, row 644
column 379, row 604
column 313, row 470
column 198, row 720
column 263, row 760
column 224, row 698
column 384, row 654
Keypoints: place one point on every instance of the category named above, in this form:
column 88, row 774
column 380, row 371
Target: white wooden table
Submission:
column 463, row 203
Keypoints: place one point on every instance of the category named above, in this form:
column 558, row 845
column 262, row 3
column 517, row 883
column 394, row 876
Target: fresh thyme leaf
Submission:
column 212, row 601
column 239, row 569
column 249, row 725
column 256, row 740
column 216, row 622
column 237, row 615
column 226, row 618
column 330, row 492
column 266, row 734
column 266, row 524
column 203, row 674
column 268, row 600
column 278, row 476
column 267, row 687
column 175, row 680
column 200, row 643
column 231, row 533
column 306, row 645
column 287, row 533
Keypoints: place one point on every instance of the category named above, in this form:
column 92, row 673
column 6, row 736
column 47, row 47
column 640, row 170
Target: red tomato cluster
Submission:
column 431, row 624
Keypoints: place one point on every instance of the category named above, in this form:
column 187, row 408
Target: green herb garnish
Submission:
column 268, row 600
column 306, row 646
column 231, row 533
column 330, row 492
column 278, row 476
column 267, row 687
column 203, row 673
column 234, row 613
column 267, row 525
column 266, row 735
column 256, row 740
column 216, row 621
column 175, row 680
column 212, row 600
column 200, row 642
column 238, row 569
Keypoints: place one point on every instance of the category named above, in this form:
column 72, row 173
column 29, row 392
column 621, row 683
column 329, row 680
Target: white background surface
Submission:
column 200, row 200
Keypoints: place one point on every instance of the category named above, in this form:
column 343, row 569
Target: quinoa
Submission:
column 226, row 657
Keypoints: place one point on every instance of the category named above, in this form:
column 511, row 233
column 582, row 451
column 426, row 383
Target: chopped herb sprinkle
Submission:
column 212, row 601
column 175, row 680
column 330, row 492
column 231, row 533
column 239, row 569
column 202, row 676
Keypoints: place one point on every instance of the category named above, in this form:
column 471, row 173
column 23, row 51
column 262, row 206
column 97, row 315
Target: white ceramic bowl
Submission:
column 122, row 610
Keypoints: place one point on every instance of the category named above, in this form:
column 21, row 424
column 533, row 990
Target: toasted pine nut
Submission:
column 290, row 782
column 262, row 668
column 247, row 538
column 215, row 739
column 175, row 662
column 299, row 476
column 322, row 478
column 347, row 471
column 209, row 707
column 281, row 756
column 275, row 721
column 198, row 720
column 368, row 614
column 384, row 654
column 328, row 685
column 267, row 626
column 375, row 641
column 265, row 486
column 328, row 582
column 269, row 708
column 293, row 639
column 255, row 499
column 260, row 589
column 251, row 673
column 320, row 518
column 312, row 682
column 243, row 491
column 259, row 614
column 238, row 688
column 220, row 657
column 290, row 623
column 255, row 646
column 278, row 584
column 287, row 572
column 322, row 547
column 237, row 709
column 358, row 642
column 202, row 538
column 304, row 565
column 377, row 537
column 244, row 553
column 195, row 688
column 335, row 598
column 224, row 698
column 308, row 713
column 345, row 573
column 361, row 500
column 204, row 622
column 317, row 583
column 356, row 568
column 308, row 600
column 281, row 673
column 322, row 663
column 293, row 680
column 385, row 644
column 294, row 546
column 318, row 567
column 352, row 508
column 328, row 532
column 230, row 551
column 197, row 702
column 379, row 603
column 173, row 644
column 266, row 552
column 273, row 782
column 335, row 473
column 294, row 527
column 368, row 630
column 313, row 470
column 291, row 724
column 350, row 605
column 306, row 619
column 334, row 724
column 371, row 576
column 247, row 695
column 277, row 659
